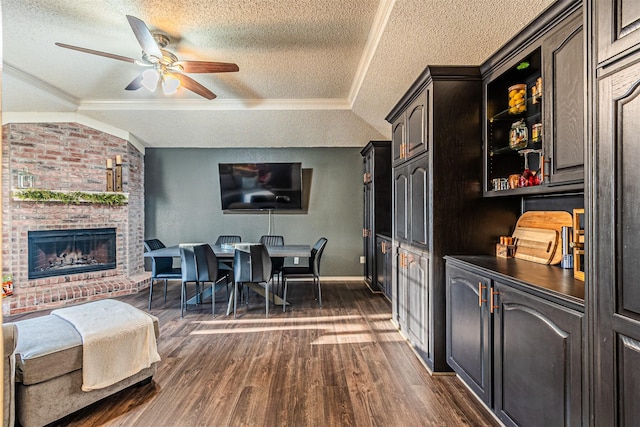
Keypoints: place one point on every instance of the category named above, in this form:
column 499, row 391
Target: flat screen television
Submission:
column 261, row 186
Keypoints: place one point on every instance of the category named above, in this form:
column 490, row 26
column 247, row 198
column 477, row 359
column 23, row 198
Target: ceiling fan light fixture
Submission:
column 170, row 84
column 150, row 79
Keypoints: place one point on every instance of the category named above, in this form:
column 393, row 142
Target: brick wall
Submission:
column 69, row 156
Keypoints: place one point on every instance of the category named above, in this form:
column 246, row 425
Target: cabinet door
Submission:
column 384, row 265
column 367, row 234
column 616, row 249
column 418, row 202
column 537, row 360
column 367, row 166
column 388, row 270
column 383, row 246
column 401, row 197
column 397, row 140
column 417, row 125
column 563, row 98
column 400, row 297
column 469, row 330
column 417, row 297
column 618, row 27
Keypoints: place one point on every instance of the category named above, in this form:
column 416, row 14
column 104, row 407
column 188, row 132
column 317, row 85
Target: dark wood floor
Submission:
column 344, row 365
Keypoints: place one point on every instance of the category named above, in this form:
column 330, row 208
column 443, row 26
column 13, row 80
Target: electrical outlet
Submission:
column 362, row 260
column 296, row 260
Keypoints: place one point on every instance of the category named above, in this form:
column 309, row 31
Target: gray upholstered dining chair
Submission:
column 252, row 265
column 276, row 263
column 207, row 264
column 225, row 239
column 312, row 269
column 161, row 268
column 222, row 239
column 200, row 265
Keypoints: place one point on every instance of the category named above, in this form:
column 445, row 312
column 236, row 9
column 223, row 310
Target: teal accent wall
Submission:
column 182, row 200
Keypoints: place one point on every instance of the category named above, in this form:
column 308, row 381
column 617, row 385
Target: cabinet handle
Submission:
column 403, row 260
column 492, row 307
column 383, row 248
column 480, row 288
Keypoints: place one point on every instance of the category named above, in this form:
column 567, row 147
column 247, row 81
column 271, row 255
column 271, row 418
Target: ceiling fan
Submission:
column 163, row 67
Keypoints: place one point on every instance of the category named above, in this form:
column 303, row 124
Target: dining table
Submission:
column 226, row 253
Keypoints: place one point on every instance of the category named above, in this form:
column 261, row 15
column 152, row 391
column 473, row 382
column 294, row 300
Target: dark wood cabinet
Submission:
column 536, row 146
column 520, row 353
column 400, row 204
column 537, row 360
column 438, row 206
column 613, row 243
column 398, row 131
column 414, row 277
column 408, row 131
column 469, row 332
column 411, row 182
column 384, row 264
column 617, row 28
column 564, row 102
column 377, row 176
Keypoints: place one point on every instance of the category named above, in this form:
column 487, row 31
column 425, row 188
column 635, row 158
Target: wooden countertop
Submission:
column 547, row 281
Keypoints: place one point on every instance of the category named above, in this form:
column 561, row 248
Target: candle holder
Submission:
column 109, row 175
column 118, row 172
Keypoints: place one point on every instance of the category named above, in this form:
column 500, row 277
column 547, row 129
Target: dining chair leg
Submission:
column 284, row 294
column 235, row 298
column 213, row 299
column 182, row 298
column 165, row 290
column 150, row 293
column 266, row 286
column 319, row 291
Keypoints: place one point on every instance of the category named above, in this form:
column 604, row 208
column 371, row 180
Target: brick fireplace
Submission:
column 69, row 157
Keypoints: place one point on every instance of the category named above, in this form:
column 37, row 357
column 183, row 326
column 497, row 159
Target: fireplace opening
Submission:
column 62, row 252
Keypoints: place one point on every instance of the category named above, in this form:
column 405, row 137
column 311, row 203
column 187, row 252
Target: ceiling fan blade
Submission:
column 206, row 67
column 135, row 83
column 97, row 52
column 188, row 83
column 144, row 36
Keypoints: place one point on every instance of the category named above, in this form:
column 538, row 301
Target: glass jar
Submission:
column 518, row 136
column 536, row 132
column 518, row 99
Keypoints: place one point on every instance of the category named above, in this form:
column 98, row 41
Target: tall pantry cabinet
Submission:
column 376, row 224
column 437, row 198
column 613, row 245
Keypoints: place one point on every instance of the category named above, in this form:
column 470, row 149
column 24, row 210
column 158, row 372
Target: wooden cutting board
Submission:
column 535, row 244
column 551, row 220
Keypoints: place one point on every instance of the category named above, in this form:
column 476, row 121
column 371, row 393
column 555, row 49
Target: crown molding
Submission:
column 375, row 34
column 40, row 84
column 218, row 104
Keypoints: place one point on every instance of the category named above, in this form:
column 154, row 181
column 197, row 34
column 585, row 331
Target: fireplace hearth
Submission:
column 63, row 252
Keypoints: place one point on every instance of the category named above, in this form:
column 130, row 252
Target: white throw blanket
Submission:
column 118, row 341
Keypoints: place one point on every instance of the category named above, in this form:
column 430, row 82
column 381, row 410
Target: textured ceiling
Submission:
column 312, row 73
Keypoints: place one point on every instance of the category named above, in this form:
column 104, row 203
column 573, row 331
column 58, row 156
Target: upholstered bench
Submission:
column 49, row 376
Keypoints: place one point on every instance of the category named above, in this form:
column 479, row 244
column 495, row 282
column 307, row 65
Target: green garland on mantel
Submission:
column 70, row 197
